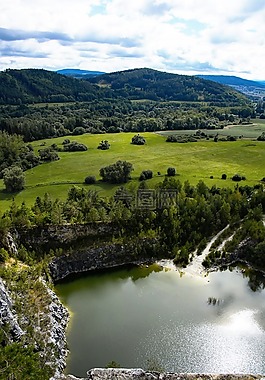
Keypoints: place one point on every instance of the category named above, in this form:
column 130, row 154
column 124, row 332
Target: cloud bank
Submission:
column 186, row 37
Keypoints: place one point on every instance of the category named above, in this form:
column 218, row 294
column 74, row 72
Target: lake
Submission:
column 161, row 318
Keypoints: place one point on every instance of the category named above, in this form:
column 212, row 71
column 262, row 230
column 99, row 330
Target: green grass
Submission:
column 249, row 131
column 193, row 162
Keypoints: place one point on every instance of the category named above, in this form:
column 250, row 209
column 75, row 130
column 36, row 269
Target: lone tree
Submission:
column 138, row 140
column 171, row 172
column 14, row 179
column 146, row 174
column 120, row 172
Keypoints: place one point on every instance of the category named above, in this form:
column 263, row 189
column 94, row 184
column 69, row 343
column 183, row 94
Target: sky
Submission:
column 222, row 37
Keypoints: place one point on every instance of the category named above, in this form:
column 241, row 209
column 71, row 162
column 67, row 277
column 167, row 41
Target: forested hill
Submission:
column 35, row 85
column 156, row 85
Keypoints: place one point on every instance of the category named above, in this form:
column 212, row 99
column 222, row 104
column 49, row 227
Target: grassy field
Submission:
column 248, row 131
column 193, row 162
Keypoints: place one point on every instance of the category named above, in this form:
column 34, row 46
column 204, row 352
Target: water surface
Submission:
column 144, row 317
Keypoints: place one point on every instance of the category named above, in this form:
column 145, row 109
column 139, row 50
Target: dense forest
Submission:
column 155, row 85
column 36, row 86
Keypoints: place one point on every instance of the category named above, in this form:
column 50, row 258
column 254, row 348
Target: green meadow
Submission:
column 193, row 162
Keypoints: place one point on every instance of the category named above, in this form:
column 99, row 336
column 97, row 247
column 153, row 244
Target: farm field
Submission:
column 193, row 162
column 247, row 131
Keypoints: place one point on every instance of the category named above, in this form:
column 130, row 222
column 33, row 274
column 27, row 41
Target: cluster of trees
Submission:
column 74, row 146
column 101, row 116
column 119, row 172
column 180, row 216
column 13, row 152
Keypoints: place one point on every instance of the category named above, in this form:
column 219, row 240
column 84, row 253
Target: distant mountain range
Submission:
column 253, row 89
column 77, row 73
column 37, row 85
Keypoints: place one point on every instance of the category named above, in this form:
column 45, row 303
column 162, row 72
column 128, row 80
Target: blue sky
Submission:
column 186, row 37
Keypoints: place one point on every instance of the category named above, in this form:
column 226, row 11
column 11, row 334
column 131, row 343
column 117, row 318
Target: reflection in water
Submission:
column 147, row 314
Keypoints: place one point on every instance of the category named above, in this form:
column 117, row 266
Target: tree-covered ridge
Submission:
column 155, row 85
column 37, row 85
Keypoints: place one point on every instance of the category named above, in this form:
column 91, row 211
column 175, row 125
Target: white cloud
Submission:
column 173, row 35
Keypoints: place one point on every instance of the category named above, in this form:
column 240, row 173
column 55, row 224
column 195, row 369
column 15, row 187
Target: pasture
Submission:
column 193, row 161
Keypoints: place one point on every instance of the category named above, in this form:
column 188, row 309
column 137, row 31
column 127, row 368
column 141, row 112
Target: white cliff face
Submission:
column 140, row 374
column 58, row 317
column 8, row 316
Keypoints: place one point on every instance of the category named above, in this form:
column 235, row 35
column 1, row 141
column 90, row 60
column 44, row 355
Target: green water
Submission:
column 148, row 317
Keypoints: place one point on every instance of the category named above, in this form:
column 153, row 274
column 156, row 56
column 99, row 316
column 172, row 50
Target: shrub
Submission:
column 66, row 141
column 237, row 178
column 75, row 146
column 89, row 180
column 48, row 154
column 104, row 145
column 138, row 140
column 146, row 174
column 171, row 172
column 224, row 176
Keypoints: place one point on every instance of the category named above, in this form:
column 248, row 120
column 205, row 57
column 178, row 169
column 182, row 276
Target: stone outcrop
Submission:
column 58, row 320
column 8, row 317
column 103, row 257
column 139, row 374
column 64, row 235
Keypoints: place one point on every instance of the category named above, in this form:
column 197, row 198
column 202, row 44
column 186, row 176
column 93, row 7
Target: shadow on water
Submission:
column 99, row 277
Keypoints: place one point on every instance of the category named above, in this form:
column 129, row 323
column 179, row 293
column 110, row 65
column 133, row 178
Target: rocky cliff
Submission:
column 139, row 374
column 103, row 257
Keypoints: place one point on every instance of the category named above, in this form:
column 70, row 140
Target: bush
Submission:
column 146, row 174
column 138, row 140
column 48, row 154
column 90, row 180
column 224, row 176
column 104, row 145
column 171, row 172
column 237, row 178
column 66, row 141
column 75, row 146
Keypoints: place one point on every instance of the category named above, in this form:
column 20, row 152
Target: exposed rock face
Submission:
column 9, row 243
column 65, row 235
column 8, row 316
column 104, row 257
column 59, row 317
column 135, row 374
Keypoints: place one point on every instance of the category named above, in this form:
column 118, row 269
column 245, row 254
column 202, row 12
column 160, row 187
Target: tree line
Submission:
column 180, row 216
